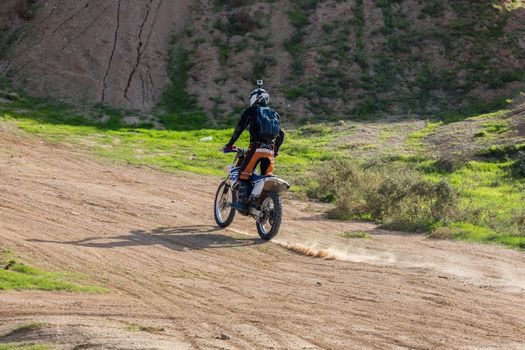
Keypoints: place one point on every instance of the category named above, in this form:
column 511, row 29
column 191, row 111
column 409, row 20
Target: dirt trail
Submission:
column 178, row 282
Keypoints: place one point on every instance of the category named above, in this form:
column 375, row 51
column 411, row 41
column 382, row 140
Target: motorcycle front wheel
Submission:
column 272, row 211
column 224, row 213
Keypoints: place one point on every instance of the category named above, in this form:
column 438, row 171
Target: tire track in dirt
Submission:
column 150, row 237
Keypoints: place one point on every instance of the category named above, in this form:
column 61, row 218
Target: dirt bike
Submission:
column 264, row 203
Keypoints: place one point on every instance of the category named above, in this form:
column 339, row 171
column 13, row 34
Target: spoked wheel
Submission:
column 224, row 213
column 271, row 208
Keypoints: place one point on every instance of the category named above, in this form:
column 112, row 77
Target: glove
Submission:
column 227, row 148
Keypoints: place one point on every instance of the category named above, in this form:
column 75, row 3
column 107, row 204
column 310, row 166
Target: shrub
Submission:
column 442, row 233
column 393, row 194
column 450, row 162
column 7, row 39
column 502, row 153
column 175, row 97
column 315, row 130
column 24, row 11
column 232, row 3
column 517, row 169
column 518, row 218
column 295, row 92
column 356, row 234
column 387, row 3
column 300, row 12
column 433, row 9
column 241, row 22
column 260, row 66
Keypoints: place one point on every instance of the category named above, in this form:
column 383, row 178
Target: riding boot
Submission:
column 243, row 191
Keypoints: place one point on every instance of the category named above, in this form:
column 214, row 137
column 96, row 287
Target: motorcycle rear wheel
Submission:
column 223, row 211
column 271, row 207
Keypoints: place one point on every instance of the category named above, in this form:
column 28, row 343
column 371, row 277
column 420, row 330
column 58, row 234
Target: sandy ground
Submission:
column 178, row 282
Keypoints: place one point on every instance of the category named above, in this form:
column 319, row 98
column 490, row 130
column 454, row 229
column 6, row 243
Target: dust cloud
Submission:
column 336, row 253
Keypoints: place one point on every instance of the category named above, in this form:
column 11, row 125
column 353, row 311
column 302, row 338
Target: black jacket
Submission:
column 248, row 119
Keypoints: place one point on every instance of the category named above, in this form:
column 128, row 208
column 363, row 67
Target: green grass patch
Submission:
column 386, row 133
column 20, row 330
column 502, row 152
column 511, row 5
column 355, row 234
column 26, row 327
column 415, row 139
column 494, row 128
column 492, row 204
column 15, row 275
column 174, row 150
column 481, row 234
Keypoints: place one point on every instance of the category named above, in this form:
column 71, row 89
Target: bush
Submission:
column 300, row 12
column 502, row 153
column 232, row 3
column 517, row 168
column 241, row 22
column 295, row 92
column 442, row 233
column 450, row 162
column 24, row 9
column 433, row 9
column 260, row 66
column 393, row 194
column 518, row 219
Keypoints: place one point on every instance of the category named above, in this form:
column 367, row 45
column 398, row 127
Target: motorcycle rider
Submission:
column 266, row 137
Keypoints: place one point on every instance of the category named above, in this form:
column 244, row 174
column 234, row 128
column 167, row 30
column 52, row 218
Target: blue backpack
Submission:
column 268, row 124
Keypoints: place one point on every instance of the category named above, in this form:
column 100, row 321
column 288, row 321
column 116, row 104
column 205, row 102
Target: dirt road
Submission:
column 178, row 282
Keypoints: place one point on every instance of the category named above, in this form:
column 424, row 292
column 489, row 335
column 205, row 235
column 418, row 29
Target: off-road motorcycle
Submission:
column 263, row 204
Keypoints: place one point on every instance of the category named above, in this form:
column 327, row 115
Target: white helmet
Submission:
column 259, row 95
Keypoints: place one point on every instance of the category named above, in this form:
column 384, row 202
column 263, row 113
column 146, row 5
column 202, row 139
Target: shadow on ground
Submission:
column 180, row 238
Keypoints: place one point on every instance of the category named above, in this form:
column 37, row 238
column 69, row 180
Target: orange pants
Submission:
column 256, row 156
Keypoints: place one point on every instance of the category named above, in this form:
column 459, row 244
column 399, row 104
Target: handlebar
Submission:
column 232, row 150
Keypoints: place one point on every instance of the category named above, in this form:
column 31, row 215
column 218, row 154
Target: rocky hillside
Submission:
column 107, row 51
column 320, row 58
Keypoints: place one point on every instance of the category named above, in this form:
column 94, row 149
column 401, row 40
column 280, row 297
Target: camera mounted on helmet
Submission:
column 259, row 95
